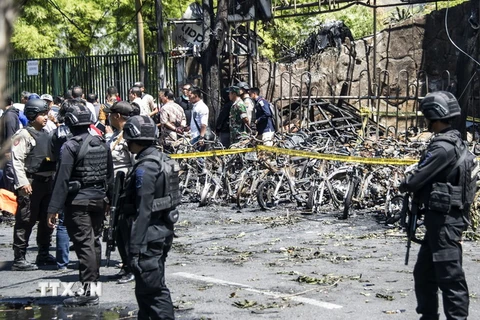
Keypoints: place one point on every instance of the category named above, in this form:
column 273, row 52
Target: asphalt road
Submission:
column 252, row 264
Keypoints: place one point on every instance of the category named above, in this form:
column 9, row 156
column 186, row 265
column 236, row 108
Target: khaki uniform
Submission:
column 31, row 207
column 121, row 156
column 22, row 144
column 149, row 102
column 250, row 109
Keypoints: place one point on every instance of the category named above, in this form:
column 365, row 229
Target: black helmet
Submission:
column 34, row 107
column 140, row 128
column 440, row 105
column 75, row 113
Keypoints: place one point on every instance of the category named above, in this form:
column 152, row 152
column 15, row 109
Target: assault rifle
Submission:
column 109, row 231
column 409, row 220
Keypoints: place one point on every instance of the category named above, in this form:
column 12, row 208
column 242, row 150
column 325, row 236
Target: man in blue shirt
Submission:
column 263, row 116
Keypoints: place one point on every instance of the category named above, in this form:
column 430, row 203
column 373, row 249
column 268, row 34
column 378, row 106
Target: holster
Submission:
column 444, row 196
column 74, row 186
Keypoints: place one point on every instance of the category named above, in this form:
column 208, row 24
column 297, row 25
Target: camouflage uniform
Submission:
column 237, row 127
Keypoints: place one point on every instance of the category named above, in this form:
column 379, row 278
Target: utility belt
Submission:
column 159, row 211
column 39, row 178
column 445, row 196
column 75, row 186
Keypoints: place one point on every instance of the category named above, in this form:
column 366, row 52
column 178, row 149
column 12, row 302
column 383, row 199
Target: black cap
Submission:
column 122, row 107
column 234, row 89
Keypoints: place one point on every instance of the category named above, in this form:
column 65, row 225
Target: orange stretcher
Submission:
column 8, row 201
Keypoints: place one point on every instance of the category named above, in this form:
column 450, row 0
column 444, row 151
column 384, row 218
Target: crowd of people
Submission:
column 61, row 158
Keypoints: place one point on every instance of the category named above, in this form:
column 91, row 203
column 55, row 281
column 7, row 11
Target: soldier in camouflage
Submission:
column 238, row 118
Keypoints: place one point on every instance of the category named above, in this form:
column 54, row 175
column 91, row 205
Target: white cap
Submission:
column 46, row 97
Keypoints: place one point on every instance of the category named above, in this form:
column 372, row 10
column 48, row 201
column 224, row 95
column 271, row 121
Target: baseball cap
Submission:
column 122, row 107
column 243, row 85
column 33, row 96
column 234, row 89
column 46, row 97
column 139, row 84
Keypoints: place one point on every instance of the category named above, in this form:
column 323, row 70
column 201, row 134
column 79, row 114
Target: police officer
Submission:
column 151, row 193
column 439, row 263
column 123, row 160
column 33, row 173
column 84, row 176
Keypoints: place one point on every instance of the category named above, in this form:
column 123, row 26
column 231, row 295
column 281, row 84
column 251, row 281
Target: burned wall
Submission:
column 411, row 57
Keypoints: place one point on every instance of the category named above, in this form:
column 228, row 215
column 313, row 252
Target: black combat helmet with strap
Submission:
column 140, row 128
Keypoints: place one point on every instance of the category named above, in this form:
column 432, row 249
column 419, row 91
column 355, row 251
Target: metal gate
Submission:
column 93, row 73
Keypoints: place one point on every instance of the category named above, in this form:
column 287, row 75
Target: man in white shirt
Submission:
column 200, row 112
column 135, row 97
column 146, row 98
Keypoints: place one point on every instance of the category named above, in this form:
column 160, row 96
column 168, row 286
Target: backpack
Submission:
column 276, row 118
column 171, row 193
column 469, row 168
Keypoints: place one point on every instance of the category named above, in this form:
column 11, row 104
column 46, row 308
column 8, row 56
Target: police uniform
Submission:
column 122, row 161
column 150, row 196
column 84, row 177
column 32, row 166
column 439, row 263
column 121, row 156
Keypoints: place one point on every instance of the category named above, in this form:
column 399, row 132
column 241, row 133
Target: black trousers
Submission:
column 84, row 221
column 439, row 265
column 123, row 240
column 33, row 208
column 153, row 296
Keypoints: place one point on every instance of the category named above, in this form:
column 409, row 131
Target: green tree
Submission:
column 48, row 28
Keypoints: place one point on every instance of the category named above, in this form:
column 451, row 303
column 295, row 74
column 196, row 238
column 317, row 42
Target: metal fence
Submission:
column 391, row 108
column 93, row 73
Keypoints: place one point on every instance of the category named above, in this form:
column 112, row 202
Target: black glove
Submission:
column 134, row 263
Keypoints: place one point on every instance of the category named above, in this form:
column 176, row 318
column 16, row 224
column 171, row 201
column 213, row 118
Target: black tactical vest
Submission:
column 39, row 158
column 167, row 186
column 91, row 162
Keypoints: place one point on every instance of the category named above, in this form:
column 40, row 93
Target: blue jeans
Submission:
column 63, row 243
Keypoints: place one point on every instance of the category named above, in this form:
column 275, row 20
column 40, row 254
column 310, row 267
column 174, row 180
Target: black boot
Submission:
column 83, row 299
column 118, row 275
column 20, row 263
column 129, row 277
column 44, row 258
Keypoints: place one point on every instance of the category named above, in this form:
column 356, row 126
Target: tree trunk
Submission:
column 8, row 14
column 214, row 40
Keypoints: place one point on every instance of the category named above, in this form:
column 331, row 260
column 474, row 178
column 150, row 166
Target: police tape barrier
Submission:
column 211, row 153
column 298, row 153
column 472, row 119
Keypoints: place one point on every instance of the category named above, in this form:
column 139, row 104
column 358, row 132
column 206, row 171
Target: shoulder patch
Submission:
column 261, row 103
column 425, row 160
column 139, row 178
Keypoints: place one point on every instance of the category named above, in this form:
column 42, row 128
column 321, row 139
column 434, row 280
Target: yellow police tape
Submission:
column 298, row 153
column 472, row 119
